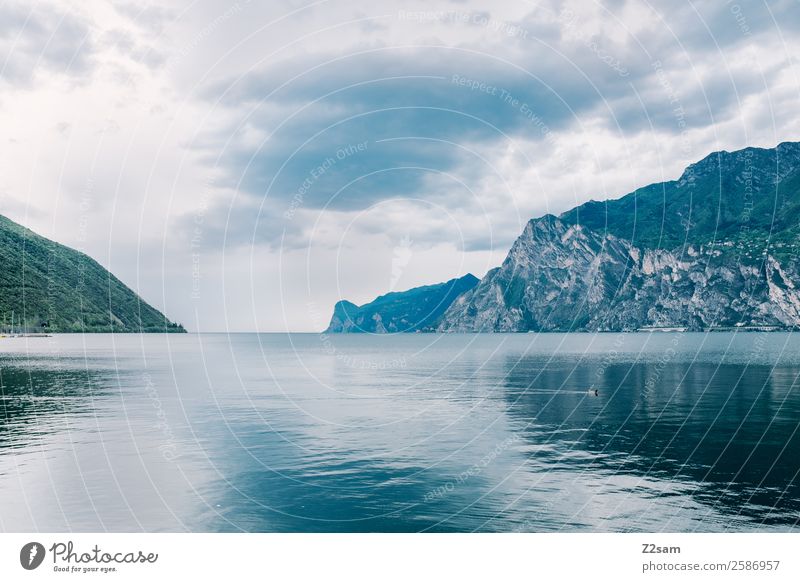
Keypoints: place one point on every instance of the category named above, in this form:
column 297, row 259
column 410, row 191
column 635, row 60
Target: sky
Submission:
column 244, row 165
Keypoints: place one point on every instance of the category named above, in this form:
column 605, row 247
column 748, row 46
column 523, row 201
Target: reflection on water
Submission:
column 39, row 400
column 688, row 432
column 722, row 435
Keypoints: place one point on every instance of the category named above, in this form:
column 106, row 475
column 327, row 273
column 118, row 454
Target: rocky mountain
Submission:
column 45, row 286
column 716, row 248
column 418, row 309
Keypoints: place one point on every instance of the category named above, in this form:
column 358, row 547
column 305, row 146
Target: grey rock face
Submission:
column 562, row 277
column 718, row 247
column 556, row 276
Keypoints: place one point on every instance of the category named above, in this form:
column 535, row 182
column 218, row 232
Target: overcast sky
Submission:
column 245, row 165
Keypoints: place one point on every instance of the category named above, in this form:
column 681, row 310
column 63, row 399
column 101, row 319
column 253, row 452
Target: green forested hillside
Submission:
column 745, row 197
column 46, row 286
column 417, row 309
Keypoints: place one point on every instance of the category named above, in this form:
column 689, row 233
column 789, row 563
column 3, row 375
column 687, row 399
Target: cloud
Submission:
column 345, row 132
column 151, row 18
column 42, row 38
column 286, row 118
column 419, row 112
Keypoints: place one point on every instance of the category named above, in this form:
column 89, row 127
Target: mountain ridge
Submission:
column 718, row 247
column 416, row 309
column 49, row 287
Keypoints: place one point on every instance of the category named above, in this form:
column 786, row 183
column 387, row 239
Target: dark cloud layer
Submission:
column 404, row 106
column 292, row 119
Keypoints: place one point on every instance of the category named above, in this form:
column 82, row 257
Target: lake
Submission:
column 400, row 433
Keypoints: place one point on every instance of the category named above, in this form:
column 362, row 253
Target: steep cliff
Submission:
column 716, row 248
column 418, row 309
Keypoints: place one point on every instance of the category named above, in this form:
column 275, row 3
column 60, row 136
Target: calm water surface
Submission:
column 271, row 432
